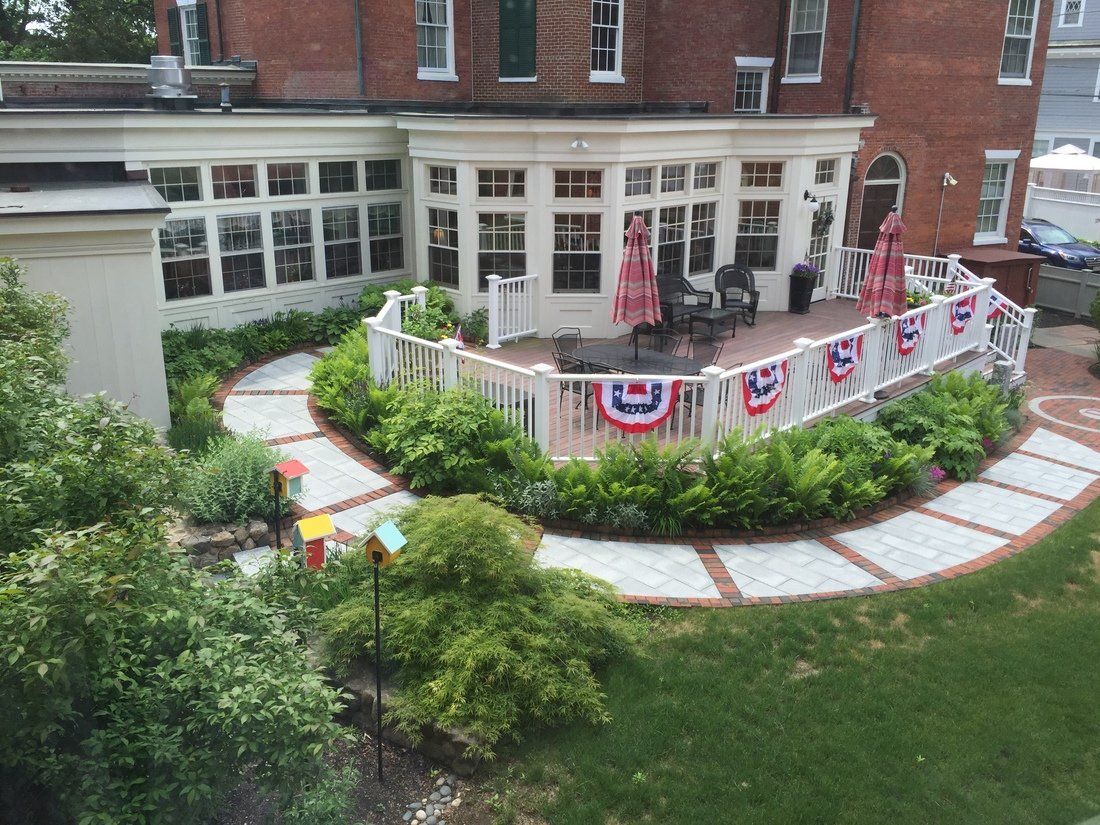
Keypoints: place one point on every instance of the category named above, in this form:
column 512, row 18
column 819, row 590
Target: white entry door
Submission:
column 821, row 244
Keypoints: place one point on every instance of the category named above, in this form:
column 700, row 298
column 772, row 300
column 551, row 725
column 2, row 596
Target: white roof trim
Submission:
column 754, row 62
column 1002, row 154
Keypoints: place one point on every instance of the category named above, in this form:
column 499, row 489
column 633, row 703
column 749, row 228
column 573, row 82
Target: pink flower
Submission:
column 936, row 473
column 987, row 444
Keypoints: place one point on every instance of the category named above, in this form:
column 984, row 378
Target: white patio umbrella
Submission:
column 1066, row 159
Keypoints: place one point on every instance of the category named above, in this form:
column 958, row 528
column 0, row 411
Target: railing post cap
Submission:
column 542, row 369
column 492, row 278
column 939, row 299
column 954, row 256
column 449, row 343
column 712, row 371
column 990, row 281
column 416, row 290
column 392, row 294
column 372, row 321
column 803, row 343
column 1030, row 310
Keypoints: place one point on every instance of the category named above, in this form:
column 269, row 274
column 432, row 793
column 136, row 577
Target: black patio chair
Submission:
column 568, row 365
column 706, row 350
column 666, row 342
column 567, row 339
column 679, row 300
column 736, row 288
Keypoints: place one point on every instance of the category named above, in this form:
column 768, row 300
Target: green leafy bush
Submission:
column 229, row 481
column 428, row 322
column 197, row 351
column 960, row 418
column 342, row 384
column 475, row 326
column 481, row 637
column 330, row 324
column 143, row 691
column 444, row 441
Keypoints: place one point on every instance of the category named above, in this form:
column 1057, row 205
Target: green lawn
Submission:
column 968, row 702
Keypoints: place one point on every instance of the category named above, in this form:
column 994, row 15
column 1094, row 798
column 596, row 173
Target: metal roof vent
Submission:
column 170, row 83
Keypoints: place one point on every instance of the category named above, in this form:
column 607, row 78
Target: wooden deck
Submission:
column 773, row 334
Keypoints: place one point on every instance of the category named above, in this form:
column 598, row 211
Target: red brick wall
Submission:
column 562, row 55
column 689, row 53
column 933, row 85
column 826, row 97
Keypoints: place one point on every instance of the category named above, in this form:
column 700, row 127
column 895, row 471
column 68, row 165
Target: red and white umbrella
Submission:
column 883, row 292
column 637, row 300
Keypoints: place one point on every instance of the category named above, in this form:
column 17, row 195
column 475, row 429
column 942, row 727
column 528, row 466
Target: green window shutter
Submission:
column 517, row 38
column 203, row 25
column 175, row 38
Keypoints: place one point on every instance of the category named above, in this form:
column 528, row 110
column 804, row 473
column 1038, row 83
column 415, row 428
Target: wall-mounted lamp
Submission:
column 579, row 143
column 812, row 204
column 949, row 179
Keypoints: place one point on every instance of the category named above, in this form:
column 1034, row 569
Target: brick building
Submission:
column 446, row 139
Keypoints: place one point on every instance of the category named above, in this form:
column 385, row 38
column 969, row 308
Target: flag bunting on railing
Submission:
column 910, row 330
column 997, row 305
column 637, row 406
column 762, row 387
column 843, row 356
column 962, row 313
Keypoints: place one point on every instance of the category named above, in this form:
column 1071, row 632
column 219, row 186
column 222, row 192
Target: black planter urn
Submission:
column 802, row 290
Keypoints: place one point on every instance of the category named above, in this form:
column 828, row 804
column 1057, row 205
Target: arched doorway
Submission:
column 883, row 187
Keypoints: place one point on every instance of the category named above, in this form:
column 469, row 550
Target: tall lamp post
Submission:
column 948, row 180
column 382, row 546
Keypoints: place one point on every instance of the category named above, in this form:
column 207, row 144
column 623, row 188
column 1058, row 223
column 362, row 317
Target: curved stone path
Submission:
column 1048, row 472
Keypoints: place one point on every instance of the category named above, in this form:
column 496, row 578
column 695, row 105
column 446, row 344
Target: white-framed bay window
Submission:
column 435, row 40
column 577, row 257
column 806, row 41
column 501, row 246
column 607, row 42
column 1019, row 43
column 996, row 192
column 683, row 237
column 1072, row 14
column 185, row 259
column 750, row 89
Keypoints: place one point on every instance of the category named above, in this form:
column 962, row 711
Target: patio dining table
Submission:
column 620, row 358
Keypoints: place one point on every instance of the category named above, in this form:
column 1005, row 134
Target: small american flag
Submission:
column 458, row 337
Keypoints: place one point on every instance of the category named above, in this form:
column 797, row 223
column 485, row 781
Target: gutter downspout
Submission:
column 849, row 78
column 221, row 30
column 359, row 58
column 780, row 27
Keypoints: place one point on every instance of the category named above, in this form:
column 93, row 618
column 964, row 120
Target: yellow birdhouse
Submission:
column 384, row 544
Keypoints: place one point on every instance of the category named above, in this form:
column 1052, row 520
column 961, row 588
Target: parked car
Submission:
column 1060, row 248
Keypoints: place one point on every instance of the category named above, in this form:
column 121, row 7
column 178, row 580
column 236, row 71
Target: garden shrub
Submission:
column 444, row 441
column 429, row 322
column 341, row 383
column 141, row 692
column 960, row 418
column 475, row 327
column 229, row 481
column 481, row 637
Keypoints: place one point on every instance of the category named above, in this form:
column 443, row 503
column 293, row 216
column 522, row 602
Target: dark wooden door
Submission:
column 877, row 201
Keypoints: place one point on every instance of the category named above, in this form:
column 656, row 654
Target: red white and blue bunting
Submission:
column 997, row 306
column 636, row 406
column 762, row 387
column 910, row 330
column 962, row 313
column 843, row 356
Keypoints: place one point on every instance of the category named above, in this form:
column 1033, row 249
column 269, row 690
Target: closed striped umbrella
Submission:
column 637, row 300
column 883, row 292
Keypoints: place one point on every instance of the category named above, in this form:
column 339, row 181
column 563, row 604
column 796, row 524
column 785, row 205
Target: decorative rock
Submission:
column 441, row 780
column 445, row 790
column 445, row 800
column 240, row 535
column 207, row 559
column 458, row 799
column 421, row 816
column 431, row 820
column 257, row 529
column 249, row 544
column 434, row 796
column 222, row 539
column 408, row 815
column 415, row 806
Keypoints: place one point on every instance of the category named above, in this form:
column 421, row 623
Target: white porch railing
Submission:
column 1009, row 328
column 511, row 308
column 558, row 412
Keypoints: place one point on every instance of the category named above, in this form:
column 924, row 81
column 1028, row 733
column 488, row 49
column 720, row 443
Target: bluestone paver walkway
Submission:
column 1048, row 473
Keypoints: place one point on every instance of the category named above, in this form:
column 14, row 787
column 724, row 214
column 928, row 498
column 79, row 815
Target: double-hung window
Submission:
column 607, row 41
column 189, row 32
column 806, row 41
column 1019, row 42
column 234, row 181
column 703, row 231
column 670, row 242
column 343, row 250
column 338, row 176
column 443, row 247
column 577, row 257
column 177, row 184
column 292, row 233
column 241, row 244
column 185, row 259
column 757, row 242
column 387, row 246
column 750, row 91
column 501, row 246
column 287, row 179
column 678, row 243
column 435, row 59
column 501, row 183
column 383, row 175
column 993, row 201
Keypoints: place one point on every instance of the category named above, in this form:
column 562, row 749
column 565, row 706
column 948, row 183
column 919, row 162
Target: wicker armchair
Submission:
column 736, row 288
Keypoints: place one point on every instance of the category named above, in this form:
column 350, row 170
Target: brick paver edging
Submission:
column 703, row 542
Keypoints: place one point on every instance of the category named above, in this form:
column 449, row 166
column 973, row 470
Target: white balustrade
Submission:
column 511, row 307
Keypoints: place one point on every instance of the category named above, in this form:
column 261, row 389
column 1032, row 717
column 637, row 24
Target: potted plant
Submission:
column 803, row 282
column 914, row 299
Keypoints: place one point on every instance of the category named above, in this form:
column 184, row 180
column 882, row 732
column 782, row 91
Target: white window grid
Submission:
column 1072, row 14
column 578, row 184
column 185, row 259
column 241, row 250
column 292, row 237
column 234, row 180
column 337, row 176
column 993, row 199
column 748, row 93
column 177, row 184
column 757, row 174
column 639, row 181
column 705, row 177
column 807, row 37
column 704, row 230
column 501, row 183
column 674, row 178
column 696, row 247
column 443, row 180
column 443, row 246
column 1019, row 40
column 387, row 242
column 285, row 179
column 757, row 241
column 189, row 22
column 607, row 40
column 577, row 258
column 434, row 38
column 343, row 249
column 501, row 245
column 821, row 238
column 382, row 175
column 825, row 172
column 671, row 232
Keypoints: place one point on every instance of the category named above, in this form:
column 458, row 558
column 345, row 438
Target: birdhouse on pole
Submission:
column 286, row 478
column 384, row 544
column 309, row 537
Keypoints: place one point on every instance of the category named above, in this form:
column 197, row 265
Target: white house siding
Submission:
column 538, row 145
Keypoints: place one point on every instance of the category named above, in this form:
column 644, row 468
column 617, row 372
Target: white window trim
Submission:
column 761, row 64
column 1096, row 91
column 532, row 79
column 617, row 75
column 1009, row 156
column 1026, row 79
column 1080, row 16
column 188, row 8
column 804, row 78
column 446, row 74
